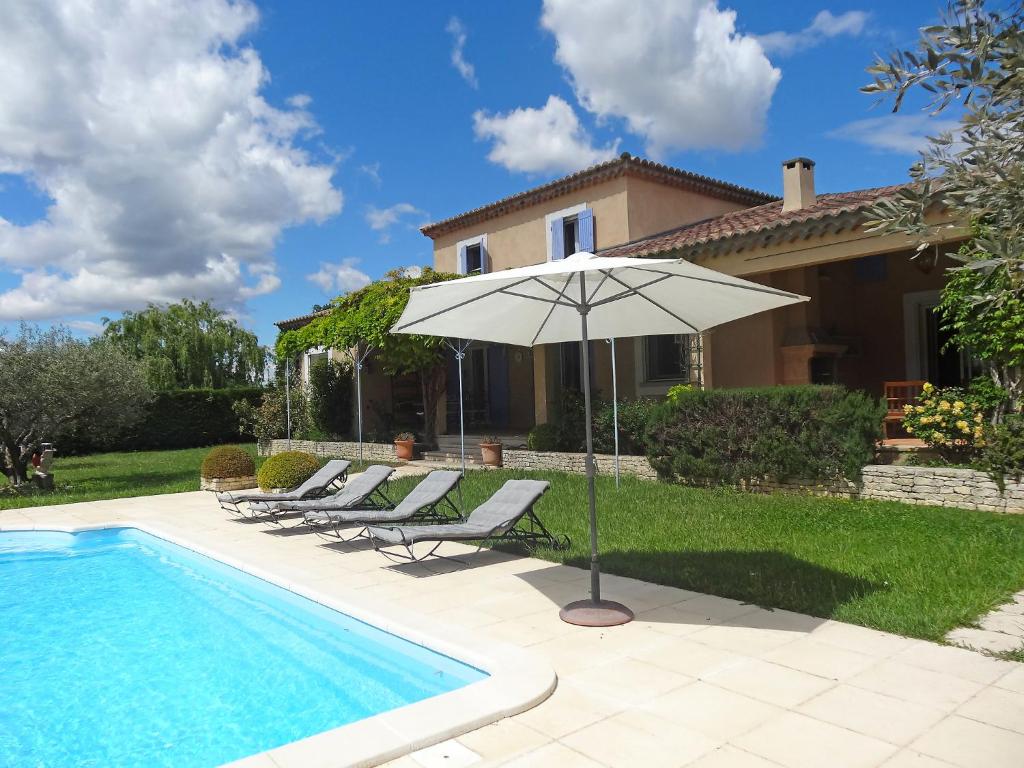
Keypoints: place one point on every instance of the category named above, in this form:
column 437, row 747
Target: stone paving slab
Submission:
column 696, row 680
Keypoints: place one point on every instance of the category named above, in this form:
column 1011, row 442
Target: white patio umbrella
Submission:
column 580, row 298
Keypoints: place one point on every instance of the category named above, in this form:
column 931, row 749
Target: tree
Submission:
column 973, row 59
column 54, row 384
column 994, row 335
column 363, row 320
column 189, row 345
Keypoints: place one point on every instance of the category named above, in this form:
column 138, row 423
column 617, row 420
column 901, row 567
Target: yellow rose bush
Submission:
column 950, row 420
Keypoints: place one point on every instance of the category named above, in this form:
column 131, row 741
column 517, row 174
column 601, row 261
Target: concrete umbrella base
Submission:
column 602, row 613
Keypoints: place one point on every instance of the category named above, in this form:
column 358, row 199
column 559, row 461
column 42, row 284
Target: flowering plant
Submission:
column 949, row 420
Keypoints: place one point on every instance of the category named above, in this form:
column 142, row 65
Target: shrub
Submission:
column 949, row 420
column 811, row 434
column 267, row 418
column 633, row 418
column 287, row 470
column 330, row 399
column 1003, row 454
column 228, row 461
column 543, row 437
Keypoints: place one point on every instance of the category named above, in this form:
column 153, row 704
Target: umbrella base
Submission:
column 603, row 613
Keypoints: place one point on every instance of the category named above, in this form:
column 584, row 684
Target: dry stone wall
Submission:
column 941, row 486
column 334, row 450
column 576, row 462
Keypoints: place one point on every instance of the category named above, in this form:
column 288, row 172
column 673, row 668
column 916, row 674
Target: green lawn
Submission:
column 917, row 571
column 117, row 475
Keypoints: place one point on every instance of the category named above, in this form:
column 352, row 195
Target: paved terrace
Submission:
column 696, row 680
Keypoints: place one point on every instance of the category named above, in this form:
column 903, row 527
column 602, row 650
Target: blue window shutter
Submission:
column 557, row 240
column 462, row 259
column 585, row 231
column 484, row 260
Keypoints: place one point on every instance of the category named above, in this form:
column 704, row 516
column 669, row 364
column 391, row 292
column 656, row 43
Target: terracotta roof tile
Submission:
column 297, row 322
column 750, row 221
column 624, row 164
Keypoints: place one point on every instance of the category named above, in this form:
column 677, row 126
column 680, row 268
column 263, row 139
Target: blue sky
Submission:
column 147, row 184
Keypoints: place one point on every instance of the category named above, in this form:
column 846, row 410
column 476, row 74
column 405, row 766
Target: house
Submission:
column 870, row 317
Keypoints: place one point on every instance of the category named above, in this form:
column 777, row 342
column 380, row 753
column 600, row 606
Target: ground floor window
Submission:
column 673, row 358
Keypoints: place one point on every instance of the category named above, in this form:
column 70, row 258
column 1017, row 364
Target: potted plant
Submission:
column 404, row 442
column 490, row 451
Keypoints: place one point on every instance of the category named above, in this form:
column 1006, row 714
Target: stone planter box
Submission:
column 941, row 486
column 227, row 483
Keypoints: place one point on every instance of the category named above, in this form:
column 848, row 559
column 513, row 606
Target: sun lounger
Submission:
column 428, row 501
column 328, row 479
column 365, row 490
column 496, row 519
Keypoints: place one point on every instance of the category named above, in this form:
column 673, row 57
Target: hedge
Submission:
column 810, row 434
column 186, row 418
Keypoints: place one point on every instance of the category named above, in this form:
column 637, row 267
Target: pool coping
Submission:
column 517, row 679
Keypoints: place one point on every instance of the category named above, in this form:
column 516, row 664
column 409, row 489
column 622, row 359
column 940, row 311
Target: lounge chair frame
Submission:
column 335, row 485
column 533, row 535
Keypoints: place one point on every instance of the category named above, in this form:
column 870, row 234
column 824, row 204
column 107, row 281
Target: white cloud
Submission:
column 299, row 101
column 169, row 174
column 339, row 278
column 383, row 219
column 901, row 134
column 538, row 140
column 457, row 30
column 44, row 293
column 676, row 70
column 411, row 271
column 373, row 171
column 824, row 26
column 88, row 327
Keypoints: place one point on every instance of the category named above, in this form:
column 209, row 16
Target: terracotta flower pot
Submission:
column 403, row 449
column 491, row 454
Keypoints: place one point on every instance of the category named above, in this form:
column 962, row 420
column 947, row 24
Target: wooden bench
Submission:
column 897, row 395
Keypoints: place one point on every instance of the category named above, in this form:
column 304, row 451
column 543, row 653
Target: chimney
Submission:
column 797, row 184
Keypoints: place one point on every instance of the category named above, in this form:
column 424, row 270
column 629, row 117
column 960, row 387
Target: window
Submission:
column 474, row 259
column 673, row 358
column 312, row 358
column 472, row 255
column 570, row 235
column 569, row 231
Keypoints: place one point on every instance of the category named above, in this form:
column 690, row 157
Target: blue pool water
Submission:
column 120, row 649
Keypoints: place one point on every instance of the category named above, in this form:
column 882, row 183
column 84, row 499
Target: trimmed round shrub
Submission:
column 227, row 461
column 287, row 470
column 543, row 437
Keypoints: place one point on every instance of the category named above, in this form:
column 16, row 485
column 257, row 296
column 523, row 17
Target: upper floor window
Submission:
column 474, row 259
column 472, row 255
column 569, row 231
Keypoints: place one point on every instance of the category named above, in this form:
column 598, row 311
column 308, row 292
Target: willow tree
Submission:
column 362, row 320
column 973, row 60
column 189, row 345
column 55, row 385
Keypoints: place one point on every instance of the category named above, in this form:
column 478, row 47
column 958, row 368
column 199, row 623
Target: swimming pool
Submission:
column 119, row 648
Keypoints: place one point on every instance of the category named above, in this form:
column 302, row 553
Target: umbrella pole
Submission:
column 359, row 400
column 288, row 401
column 615, row 413
column 594, row 612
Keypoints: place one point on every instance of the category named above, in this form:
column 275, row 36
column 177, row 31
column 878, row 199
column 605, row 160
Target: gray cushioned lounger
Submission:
column 328, row 478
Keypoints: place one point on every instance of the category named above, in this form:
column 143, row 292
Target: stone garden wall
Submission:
column 334, row 450
column 576, row 462
column 941, row 486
